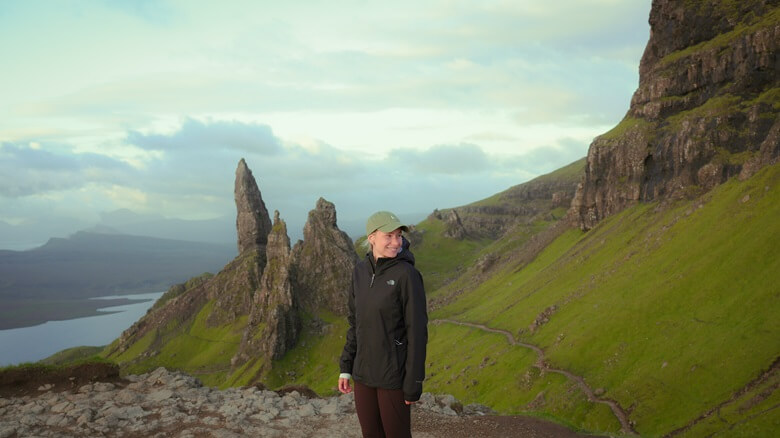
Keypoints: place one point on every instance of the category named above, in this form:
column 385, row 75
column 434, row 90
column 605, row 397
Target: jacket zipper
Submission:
column 372, row 281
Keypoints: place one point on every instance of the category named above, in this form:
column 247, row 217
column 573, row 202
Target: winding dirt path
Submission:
column 762, row 379
column 541, row 363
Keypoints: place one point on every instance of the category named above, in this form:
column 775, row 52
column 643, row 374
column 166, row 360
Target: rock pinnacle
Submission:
column 252, row 221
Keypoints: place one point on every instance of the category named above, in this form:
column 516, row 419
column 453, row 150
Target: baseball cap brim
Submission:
column 384, row 221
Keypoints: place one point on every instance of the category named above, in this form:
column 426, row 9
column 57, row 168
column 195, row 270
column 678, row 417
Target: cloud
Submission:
column 195, row 136
column 154, row 103
column 195, row 171
column 454, row 159
column 545, row 159
column 34, row 168
column 196, row 168
column 500, row 55
column 192, row 178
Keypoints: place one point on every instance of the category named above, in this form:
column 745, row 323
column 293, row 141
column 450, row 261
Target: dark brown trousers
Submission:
column 382, row 412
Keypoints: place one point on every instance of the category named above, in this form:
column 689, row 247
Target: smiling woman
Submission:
column 387, row 337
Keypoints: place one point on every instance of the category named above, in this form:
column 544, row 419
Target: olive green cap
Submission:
column 384, row 221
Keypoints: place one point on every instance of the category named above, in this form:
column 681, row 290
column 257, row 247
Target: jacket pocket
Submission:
column 400, row 355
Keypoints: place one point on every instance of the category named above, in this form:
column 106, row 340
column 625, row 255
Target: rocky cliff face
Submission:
column 323, row 261
column 706, row 108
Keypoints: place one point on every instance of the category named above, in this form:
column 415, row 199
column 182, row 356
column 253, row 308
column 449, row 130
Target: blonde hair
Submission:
column 366, row 244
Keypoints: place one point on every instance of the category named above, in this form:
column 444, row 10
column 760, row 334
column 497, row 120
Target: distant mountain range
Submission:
column 54, row 280
column 123, row 221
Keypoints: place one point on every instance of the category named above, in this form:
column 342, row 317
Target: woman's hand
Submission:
column 344, row 386
column 409, row 403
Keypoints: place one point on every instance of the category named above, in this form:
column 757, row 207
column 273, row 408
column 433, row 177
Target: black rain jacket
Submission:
column 388, row 325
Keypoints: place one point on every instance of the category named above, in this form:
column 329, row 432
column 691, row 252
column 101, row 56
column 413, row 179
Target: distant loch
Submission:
column 31, row 344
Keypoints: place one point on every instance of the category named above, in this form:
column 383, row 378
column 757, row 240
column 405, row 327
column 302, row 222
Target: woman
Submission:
column 384, row 353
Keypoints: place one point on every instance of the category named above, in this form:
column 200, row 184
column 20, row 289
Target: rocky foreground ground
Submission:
column 172, row 404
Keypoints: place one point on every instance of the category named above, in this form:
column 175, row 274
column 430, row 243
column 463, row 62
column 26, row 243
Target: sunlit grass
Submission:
column 314, row 361
column 670, row 310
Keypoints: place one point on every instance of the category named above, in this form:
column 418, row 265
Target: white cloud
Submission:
column 195, row 136
column 456, row 159
column 547, row 158
column 35, row 168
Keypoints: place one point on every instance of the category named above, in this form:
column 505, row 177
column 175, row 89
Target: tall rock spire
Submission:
column 252, row 221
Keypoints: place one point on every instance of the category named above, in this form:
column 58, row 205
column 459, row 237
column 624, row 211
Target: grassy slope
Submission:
column 669, row 311
column 193, row 347
column 442, row 260
column 73, row 355
column 314, row 361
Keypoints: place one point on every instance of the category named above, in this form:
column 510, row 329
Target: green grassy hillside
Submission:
column 667, row 310
column 442, row 259
column 192, row 346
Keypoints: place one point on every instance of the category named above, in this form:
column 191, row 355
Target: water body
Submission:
column 31, row 344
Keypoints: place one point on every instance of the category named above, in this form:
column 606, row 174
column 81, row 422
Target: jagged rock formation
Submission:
column 323, row 261
column 259, row 294
column 252, row 221
column 231, row 291
column 232, row 294
column 518, row 205
column 274, row 323
column 706, row 108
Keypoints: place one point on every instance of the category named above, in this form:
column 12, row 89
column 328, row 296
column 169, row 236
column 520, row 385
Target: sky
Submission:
column 408, row 106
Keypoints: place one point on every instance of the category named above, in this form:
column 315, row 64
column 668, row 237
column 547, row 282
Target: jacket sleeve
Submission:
column 416, row 320
column 350, row 346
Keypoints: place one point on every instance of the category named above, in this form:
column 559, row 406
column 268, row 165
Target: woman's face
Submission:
column 386, row 245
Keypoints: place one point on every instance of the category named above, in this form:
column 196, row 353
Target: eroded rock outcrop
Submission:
column 230, row 292
column 274, row 323
column 323, row 261
column 233, row 288
column 455, row 228
column 706, row 108
column 259, row 295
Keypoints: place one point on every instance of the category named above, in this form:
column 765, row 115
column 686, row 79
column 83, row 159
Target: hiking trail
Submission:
column 541, row 363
